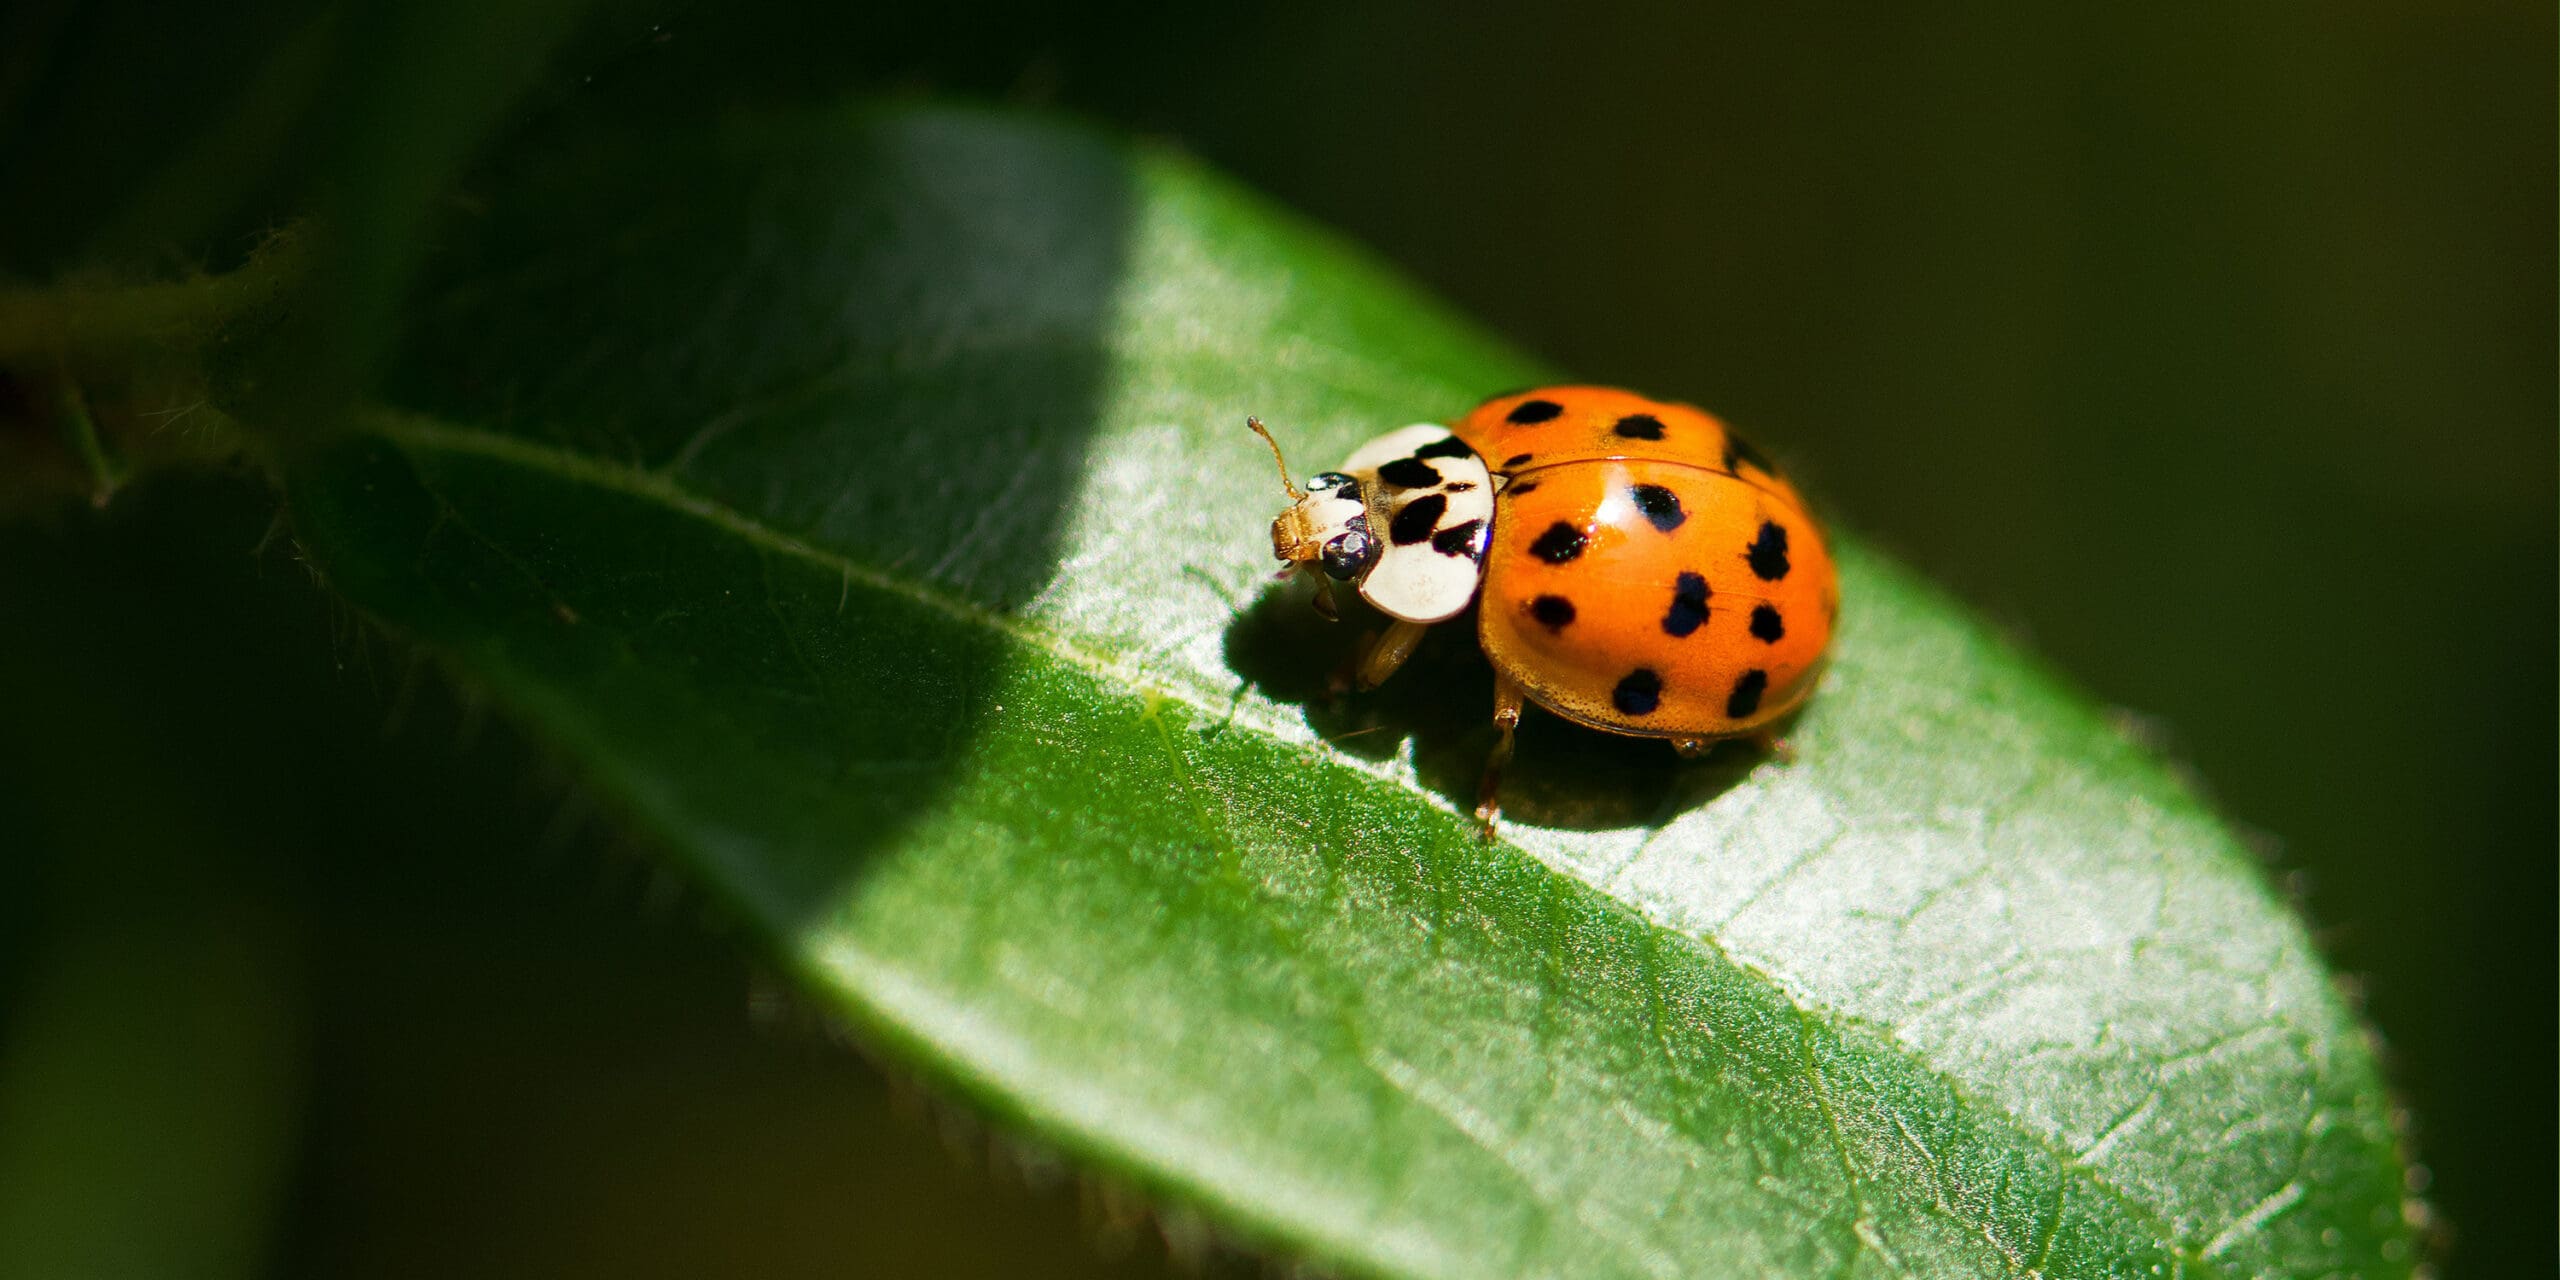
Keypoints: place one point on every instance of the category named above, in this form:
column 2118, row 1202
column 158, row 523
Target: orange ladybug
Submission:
column 1637, row 566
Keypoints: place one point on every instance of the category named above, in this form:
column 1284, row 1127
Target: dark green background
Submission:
column 2208, row 347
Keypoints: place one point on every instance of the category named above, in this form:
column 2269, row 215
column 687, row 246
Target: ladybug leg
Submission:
column 1692, row 748
column 1375, row 659
column 1387, row 652
column 1324, row 600
column 1507, row 703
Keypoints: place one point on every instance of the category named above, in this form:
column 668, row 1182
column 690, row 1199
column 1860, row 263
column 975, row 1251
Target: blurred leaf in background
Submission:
column 2211, row 348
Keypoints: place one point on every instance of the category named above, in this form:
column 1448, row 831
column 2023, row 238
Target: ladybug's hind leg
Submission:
column 1507, row 703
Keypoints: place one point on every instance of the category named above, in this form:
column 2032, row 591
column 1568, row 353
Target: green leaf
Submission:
column 863, row 500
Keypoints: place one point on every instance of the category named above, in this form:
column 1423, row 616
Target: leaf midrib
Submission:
column 414, row 431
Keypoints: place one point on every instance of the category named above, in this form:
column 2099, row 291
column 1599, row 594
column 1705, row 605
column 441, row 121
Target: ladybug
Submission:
column 1638, row 567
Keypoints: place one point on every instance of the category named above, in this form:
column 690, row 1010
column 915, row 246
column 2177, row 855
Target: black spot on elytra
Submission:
column 1639, row 426
column 1445, row 447
column 1738, row 451
column 1688, row 605
column 1528, row 412
column 1638, row 694
column 1555, row 612
column 1767, row 625
column 1659, row 505
column 1516, row 490
column 1745, row 698
column 1417, row 520
column 1768, row 555
column 1561, row 542
column 1410, row 473
column 1517, row 460
column 1458, row 540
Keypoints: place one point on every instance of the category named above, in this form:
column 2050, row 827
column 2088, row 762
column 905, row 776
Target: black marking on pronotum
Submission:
column 1768, row 554
column 1738, row 451
column 1459, row 486
column 1688, row 605
column 1528, row 412
column 1638, row 694
column 1659, row 505
column 1417, row 520
column 1767, row 625
column 1561, row 542
column 1410, row 473
column 1517, row 460
column 1553, row 612
column 1745, row 698
column 1458, row 540
column 1445, row 447
column 1639, row 426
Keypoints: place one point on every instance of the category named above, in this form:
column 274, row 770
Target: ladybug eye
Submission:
column 1349, row 555
column 1328, row 482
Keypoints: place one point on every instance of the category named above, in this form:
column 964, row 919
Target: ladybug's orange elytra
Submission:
column 1639, row 568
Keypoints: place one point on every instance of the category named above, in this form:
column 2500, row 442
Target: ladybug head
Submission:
column 1324, row 529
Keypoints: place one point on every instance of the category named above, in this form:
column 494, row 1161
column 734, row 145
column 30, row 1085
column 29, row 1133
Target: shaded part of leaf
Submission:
column 744, row 671
column 883, row 335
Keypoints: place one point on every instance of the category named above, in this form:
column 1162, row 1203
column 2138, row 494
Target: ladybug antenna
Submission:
column 1296, row 494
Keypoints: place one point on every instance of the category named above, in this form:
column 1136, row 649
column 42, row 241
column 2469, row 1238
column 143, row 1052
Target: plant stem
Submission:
column 71, row 409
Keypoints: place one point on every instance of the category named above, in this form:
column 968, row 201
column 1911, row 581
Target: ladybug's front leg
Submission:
column 1392, row 647
column 1507, row 703
column 1386, row 651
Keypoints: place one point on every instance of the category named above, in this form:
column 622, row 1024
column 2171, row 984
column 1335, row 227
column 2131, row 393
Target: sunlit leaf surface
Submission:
column 863, row 500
